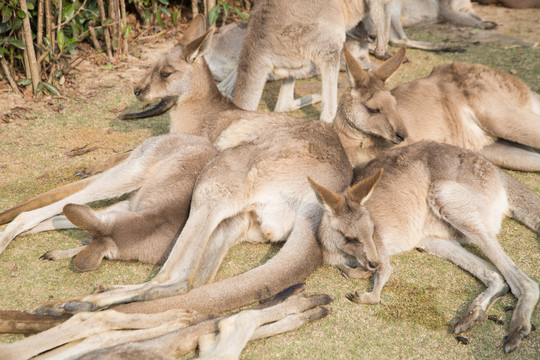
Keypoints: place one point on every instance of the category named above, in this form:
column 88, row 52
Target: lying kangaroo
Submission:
column 448, row 196
column 255, row 189
column 470, row 106
column 159, row 175
column 172, row 333
column 200, row 109
column 283, row 38
column 406, row 13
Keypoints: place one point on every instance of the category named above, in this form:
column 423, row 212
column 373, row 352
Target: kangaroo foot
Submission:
column 489, row 25
column 513, row 339
column 365, row 298
column 468, row 320
column 515, row 334
column 453, row 49
column 94, row 302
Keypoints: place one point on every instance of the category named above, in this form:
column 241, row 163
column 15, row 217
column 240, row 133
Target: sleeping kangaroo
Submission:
column 177, row 79
column 255, row 189
column 470, row 106
column 448, row 196
column 159, row 175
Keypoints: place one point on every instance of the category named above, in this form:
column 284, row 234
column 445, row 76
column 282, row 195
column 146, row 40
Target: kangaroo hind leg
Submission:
column 496, row 286
column 512, row 123
column 287, row 102
column 478, row 218
column 511, row 155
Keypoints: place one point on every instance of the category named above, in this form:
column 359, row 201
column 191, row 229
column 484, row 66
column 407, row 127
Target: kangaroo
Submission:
column 448, row 196
column 282, row 38
column 172, row 333
column 257, row 180
column 222, row 57
column 159, row 175
column 466, row 105
column 420, row 12
column 514, row 4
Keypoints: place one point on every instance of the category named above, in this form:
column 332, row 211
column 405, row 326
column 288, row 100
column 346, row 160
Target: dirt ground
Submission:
column 44, row 141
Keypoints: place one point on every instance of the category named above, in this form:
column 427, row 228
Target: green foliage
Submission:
column 223, row 8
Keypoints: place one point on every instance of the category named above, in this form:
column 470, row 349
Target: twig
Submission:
column 106, row 31
column 71, row 18
column 30, row 47
column 9, row 77
column 124, row 26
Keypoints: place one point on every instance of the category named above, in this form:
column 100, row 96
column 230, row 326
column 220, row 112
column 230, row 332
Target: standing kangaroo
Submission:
column 284, row 37
column 470, row 106
column 448, row 196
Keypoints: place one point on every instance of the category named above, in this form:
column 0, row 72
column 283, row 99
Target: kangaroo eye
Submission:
column 164, row 75
column 373, row 111
column 350, row 240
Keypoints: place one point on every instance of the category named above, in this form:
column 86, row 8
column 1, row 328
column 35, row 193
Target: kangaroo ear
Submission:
column 195, row 29
column 198, row 47
column 329, row 200
column 358, row 77
column 390, row 66
column 361, row 191
column 85, row 218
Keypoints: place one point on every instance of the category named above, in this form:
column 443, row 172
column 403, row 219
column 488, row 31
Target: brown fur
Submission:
column 466, row 105
column 447, row 196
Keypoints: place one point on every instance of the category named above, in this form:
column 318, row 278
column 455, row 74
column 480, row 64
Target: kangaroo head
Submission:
column 346, row 230
column 173, row 76
column 367, row 107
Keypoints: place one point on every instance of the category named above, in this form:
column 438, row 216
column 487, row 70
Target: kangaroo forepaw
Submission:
column 73, row 307
column 47, row 310
column 468, row 320
column 489, row 25
column 355, row 273
column 365, row 298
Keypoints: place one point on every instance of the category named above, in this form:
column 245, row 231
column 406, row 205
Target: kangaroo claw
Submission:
column 468, row 320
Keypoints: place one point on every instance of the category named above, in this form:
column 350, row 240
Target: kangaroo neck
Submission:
column 359, row 147
column 198, row 113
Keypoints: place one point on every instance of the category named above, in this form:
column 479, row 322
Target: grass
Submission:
column 422, row 300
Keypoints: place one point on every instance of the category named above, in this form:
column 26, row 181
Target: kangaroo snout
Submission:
column 137, row 91
column 372, row 265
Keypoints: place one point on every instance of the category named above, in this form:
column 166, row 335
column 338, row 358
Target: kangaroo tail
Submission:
column 44, row 199
column 524, row 204
column 297, row 259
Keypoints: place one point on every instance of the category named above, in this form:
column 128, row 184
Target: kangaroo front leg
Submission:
column 174, row 278
column 329, row 75
column 496, row 286
column 380, row 277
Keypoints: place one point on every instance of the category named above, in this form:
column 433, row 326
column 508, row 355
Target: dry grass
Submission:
column 421, row 301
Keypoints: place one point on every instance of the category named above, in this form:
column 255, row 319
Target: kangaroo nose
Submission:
column 373, row 265
column 400, row 137
column 137, row 91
